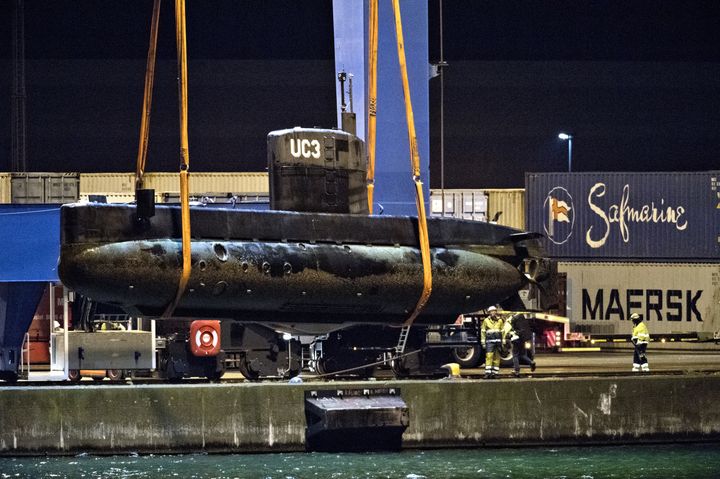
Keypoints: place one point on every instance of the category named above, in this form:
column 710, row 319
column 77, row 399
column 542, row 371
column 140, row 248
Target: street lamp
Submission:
column 565, row 136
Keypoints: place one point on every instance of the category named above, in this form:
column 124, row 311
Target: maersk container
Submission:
column 674, row 298
column 619, row 216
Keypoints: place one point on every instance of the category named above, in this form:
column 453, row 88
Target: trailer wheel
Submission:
column 214, row 375
column 398, row 368
column 319, row 366
column 167, row 369
column 115, row 375
column 467, row 356
column 74, row 375
column 247, row 371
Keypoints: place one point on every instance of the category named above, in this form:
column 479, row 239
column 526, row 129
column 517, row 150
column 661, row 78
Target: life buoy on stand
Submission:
column 205, row 338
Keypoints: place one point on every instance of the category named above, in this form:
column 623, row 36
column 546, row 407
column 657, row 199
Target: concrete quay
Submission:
column 270, row 417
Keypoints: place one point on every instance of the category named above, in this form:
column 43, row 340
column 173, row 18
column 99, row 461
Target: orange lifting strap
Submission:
column 372, row 99
column 180, row 38
column 415, row 162
column 147, row 99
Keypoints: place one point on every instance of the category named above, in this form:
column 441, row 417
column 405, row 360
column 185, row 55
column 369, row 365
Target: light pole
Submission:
column 565, row 136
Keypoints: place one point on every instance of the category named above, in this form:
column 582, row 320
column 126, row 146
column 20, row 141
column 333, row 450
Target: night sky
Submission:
column 636, row 82
column 251, row 70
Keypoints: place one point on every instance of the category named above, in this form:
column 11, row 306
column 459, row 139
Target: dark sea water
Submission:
column 696, row 461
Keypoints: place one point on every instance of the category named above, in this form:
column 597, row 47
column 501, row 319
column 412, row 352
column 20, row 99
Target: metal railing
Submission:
column 25, row 353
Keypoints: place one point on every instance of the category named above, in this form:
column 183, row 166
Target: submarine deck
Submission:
column 97, row 222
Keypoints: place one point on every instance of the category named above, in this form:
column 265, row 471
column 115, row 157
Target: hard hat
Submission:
column 634, row 316
column 491, row 308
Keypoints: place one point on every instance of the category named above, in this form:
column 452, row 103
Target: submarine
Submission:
column 314, row 263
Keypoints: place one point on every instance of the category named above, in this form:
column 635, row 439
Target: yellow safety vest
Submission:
column 491, row 330
column 640, row 332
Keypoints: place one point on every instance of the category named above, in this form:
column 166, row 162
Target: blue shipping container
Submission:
column 617, row 215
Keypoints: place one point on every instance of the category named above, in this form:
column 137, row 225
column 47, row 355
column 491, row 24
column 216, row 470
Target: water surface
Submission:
column 692, row 461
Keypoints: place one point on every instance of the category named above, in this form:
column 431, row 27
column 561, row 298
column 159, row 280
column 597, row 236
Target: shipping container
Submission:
column 116, row 197
column 242, row 183
column 44, row 187
column 465, row 204
column 674, row 298
column 5, row 188
column 509, row 205
column 620, row 216
column 505, row 206
column 109, row 184
column 121, row 186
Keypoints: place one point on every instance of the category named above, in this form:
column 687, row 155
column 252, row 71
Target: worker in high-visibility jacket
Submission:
column 640, row 338
column 491, row 337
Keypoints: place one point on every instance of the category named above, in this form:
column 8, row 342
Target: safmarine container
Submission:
column 674, row 298
column 619, row 216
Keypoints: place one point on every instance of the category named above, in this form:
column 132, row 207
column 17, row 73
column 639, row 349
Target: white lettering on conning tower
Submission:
column 304, row 148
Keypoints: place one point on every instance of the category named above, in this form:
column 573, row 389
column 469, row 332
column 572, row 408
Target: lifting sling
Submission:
column 414, row 154
column 147, row 98
column 415, row 163
column 180, row 38
column 372, row 99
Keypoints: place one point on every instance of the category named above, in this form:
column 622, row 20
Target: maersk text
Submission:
column 651, row 304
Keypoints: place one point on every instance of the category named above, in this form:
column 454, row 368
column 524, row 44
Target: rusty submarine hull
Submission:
column 292, row 268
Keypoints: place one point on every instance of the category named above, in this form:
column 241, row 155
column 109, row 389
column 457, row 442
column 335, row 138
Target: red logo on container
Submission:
column 559, row 218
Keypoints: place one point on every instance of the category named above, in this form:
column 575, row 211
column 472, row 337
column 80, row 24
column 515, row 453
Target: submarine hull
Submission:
column 286, row 267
